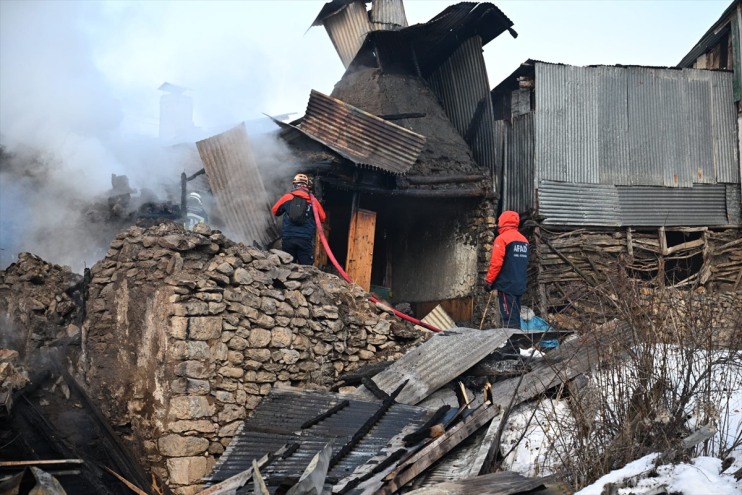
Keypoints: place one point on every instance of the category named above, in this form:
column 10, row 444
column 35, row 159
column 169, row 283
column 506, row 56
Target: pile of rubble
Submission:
column 187, row 331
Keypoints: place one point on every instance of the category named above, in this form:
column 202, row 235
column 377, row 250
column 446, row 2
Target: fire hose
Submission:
column 347, row 278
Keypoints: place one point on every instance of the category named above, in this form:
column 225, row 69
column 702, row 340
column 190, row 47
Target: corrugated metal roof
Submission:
column 388, row 14
column 518, row 173
column 562, row 203
column 360, row 136
column 434, row 41
column 278, row 421
column 236, row 183
column 436, row 362
column 347, row 27
column 501, row 483
column 634, row 126
column 462, row 86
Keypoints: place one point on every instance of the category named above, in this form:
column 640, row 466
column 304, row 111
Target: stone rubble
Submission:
column 187, row 331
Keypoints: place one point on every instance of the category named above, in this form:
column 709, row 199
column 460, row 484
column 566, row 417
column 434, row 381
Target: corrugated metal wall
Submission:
column 388, row 14
column 347, row 30
column 518, row 181
column 566, row 203
column 634, row 126
column 703, row 204
column 238, row 187
column 462, row 86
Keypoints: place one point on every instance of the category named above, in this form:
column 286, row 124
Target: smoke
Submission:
column 79, row 103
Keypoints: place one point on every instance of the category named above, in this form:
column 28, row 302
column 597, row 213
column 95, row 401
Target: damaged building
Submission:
column 209, row 358
column 633, row 163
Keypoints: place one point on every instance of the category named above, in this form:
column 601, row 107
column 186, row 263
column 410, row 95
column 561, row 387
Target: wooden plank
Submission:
column 361, row 247
column 425, row 457
column 320, row 256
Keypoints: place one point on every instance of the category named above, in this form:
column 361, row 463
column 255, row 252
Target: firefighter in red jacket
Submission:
column 508, row 268
column 298, row 233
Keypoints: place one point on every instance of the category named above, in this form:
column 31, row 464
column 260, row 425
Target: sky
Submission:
column 79, row 81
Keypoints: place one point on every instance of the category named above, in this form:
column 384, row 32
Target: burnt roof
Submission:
column 431, row 43
column 278, row 421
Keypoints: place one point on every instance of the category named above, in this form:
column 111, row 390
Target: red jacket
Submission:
column 509, row 261
column 291, row 230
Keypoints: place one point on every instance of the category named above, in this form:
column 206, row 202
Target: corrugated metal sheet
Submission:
column 501, row 483
column 278, row 419
column 360, row 136
column 734, row 208
column 236, row 183
column 518, row 175
column 502, row 129
column 634, row 126
column 388, row 14
column 566, row 124
column 702, row 205
column 658, row 135
column 433, row 42
column 567, row 203
column 724, row 114
column 347, row 29
column 462, row 86
column 437, row 318
column 563, row 203
column 436, row 362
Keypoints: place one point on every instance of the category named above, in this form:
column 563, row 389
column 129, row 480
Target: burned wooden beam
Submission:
column 452, row 193
column 425, row 457
column 400, row 116
column 374, row 389
column 329, row 412
column 442, row 179
column 425, row 431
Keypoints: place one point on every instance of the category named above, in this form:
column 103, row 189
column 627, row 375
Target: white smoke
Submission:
column 79, row 102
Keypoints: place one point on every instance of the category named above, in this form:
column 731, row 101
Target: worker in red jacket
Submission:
column 298, row 227
column 508, row 268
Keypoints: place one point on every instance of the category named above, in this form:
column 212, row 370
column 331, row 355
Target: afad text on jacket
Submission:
column 509, row 263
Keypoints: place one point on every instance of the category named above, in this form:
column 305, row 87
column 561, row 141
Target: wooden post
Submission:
column 320, row 256
column 361, row 247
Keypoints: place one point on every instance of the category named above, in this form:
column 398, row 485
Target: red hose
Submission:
column 348, row 279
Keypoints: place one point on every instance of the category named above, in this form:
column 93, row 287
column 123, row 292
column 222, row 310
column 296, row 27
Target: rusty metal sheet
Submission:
column 388, row 14
column 438, row 361
column 236, row 183
column 359, row 136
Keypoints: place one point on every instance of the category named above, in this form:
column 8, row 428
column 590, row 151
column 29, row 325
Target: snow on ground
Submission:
column 538, row 439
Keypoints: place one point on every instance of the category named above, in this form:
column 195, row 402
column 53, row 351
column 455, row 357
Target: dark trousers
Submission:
column 509, row 309
column 300, row 248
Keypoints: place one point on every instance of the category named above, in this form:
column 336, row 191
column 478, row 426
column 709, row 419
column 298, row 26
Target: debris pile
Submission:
column 187, row 331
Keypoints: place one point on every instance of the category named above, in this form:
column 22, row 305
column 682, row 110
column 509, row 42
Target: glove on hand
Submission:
column 488, row 287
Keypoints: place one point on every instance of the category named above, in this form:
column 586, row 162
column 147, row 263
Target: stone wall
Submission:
column 186, row 331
